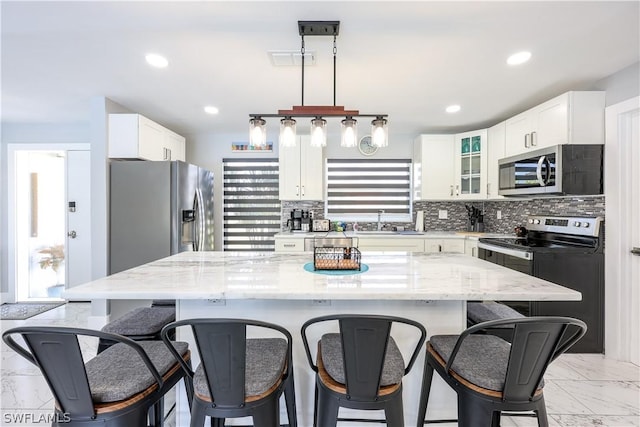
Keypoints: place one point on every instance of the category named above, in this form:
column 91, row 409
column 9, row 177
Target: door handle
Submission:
column 72, row 234
column 635, row 251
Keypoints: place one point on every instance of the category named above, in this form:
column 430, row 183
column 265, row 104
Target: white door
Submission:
column 622, row 260
column 78, row 206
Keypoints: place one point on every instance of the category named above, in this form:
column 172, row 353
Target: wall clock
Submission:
column 366, row 147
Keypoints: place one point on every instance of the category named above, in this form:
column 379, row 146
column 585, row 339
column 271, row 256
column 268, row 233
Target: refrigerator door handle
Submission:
column 200, row 226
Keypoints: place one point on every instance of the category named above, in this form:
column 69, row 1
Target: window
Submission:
column 358, row 188
column 251, row 204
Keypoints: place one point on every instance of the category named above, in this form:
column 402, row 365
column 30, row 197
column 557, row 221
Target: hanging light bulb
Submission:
column 379, row 132
column 287, row 132
column 349, row 133
column 257, row 132
column 318, row 132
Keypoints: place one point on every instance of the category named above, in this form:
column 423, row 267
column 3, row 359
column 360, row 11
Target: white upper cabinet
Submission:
column 133, row 136
column 495, row 151
column 433, row 172
column 571, row 118
column 301, row 171
column 470, row 165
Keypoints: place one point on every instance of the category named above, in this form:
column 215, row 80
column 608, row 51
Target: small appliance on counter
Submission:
column 320, row 225
column 300, row 221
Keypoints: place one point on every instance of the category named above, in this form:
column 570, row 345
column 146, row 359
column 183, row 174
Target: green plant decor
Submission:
column 54, row 256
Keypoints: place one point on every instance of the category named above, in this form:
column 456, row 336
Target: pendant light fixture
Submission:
column 317, row 114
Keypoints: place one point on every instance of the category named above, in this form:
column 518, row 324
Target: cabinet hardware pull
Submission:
column 534, row 139
column 635, row 251
column 297, row 190
column 303, row 191
column 526, row 140
column 289, row 245
column 451, row 190
column 457, row 190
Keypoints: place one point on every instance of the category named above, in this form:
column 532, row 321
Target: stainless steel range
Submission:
column 568, row 251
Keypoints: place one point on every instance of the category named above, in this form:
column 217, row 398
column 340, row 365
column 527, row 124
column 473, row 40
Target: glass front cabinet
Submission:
column 471, row 165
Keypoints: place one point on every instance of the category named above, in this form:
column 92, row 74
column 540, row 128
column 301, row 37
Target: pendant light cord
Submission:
column 335, row 51
column 302, row 53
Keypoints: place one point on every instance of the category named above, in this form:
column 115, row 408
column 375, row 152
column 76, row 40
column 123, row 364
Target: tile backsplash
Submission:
column 513, row 211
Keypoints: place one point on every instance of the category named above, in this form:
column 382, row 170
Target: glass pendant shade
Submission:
column 257, row 132
column 287, row 132
column 318, row 132
column 349, row 132
column 379, row 132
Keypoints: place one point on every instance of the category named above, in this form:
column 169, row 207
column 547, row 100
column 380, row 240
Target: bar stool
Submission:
column 120, row 387
column 239, row 376
column 140, row 324
column 360, row 367
column 485, row 311
column 490, row 374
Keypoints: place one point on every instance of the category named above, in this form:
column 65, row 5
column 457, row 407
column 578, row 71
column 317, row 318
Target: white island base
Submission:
column 439, row 317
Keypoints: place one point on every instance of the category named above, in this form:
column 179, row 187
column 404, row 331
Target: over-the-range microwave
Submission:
column 559, row 169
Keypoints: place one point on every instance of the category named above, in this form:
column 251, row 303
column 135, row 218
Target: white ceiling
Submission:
column 406, row 59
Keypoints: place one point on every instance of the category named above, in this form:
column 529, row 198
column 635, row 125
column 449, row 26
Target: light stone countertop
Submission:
column 280, row 276
column 395, row 234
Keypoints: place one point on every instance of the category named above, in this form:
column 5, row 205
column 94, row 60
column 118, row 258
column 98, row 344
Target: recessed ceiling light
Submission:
column 519, row 58
column 453, row 108
column 211, row 110
column 156, row 60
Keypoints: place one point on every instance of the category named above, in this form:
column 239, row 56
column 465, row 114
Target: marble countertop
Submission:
column 280, row 275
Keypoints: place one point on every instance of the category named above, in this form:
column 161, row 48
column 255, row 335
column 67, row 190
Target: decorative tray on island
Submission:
column 336, row 258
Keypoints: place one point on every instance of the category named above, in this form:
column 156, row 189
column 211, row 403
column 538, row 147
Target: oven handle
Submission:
column 512, row 252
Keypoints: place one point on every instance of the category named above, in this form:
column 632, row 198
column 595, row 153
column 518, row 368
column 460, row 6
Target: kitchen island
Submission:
column 429, row 288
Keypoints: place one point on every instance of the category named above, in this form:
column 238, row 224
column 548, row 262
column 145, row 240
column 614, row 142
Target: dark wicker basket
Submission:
column 334, row 258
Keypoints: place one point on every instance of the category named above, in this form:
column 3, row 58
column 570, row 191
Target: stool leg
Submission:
column 290, row 399
column 541, row 412
column 472, row 412
column 427, row 377
column 327, row 409
column 394, row 412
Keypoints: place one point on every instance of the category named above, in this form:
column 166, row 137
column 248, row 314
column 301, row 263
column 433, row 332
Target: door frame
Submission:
column 622, row 338
column 11, row 211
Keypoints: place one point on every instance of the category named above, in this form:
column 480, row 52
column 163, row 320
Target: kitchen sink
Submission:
column 389, row 233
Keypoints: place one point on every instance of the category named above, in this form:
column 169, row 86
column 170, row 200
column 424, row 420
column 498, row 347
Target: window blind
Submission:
column 358, row 188
column 251, row 204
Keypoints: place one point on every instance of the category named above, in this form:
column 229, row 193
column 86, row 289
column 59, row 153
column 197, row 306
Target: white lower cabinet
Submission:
column 391, row 244
column 455, row 246
column 471, row 247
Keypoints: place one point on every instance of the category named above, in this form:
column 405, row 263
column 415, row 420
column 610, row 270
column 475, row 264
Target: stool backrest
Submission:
column 364, row 341
column 536, row 342
column 221, row 345
column 56, row 351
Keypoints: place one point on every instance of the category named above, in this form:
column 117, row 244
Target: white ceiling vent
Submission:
column 284, row 58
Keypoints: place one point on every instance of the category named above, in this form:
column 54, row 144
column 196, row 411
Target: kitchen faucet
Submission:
column 380, row 212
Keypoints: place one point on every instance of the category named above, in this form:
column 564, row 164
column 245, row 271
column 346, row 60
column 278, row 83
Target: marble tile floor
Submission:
column 581, row 389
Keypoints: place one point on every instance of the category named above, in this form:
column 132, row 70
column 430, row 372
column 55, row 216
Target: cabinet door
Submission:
column 150, row 140
column 471, row 165
column 471, row 247
column 495, row 152
column 433, row 171
column 455, row 246
column 311, row 171
column 432, row 245
column 289, row 167
column 550, row 122
column 517, row 134
column 174, row 146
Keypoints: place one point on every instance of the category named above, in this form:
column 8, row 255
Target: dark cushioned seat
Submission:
column 142, row 321
column 331, row 347
column 479, row 312
column 265, row 363
column 118, row 372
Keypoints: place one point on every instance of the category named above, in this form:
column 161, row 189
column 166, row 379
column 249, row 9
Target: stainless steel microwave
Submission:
column 559, row 169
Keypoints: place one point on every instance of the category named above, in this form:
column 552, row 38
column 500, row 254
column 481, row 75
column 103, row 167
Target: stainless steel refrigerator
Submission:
column 158, row 209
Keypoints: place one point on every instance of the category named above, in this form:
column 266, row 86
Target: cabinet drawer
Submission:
column 289, row 245
column 391, row 244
